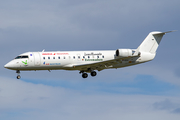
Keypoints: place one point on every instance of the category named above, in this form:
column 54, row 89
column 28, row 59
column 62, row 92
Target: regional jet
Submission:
column 87, row 61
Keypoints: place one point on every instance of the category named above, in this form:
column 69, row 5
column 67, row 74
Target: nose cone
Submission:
column 10, row 65
column 6, row 65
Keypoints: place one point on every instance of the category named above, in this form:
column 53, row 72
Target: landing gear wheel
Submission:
column 18, row 74
column 84, row 75
column 93, row 73
column 18, row 77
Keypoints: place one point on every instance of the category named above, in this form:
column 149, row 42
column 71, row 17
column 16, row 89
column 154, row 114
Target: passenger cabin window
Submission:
column 58, row 57
column 48, row 57
column 53, row 57
column 43, row 57
column 102, row 56
column 21, row 57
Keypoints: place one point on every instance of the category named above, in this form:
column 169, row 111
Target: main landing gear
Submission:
column 85, row 75
column 18, row 74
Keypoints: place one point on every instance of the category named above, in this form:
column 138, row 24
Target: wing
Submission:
column 104, row 64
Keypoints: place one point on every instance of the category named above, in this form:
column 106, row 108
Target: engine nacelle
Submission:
column 124, row 52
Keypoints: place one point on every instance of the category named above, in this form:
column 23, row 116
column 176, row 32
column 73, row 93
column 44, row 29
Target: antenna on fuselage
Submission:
column 43, row 50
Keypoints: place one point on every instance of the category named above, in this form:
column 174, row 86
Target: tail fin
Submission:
column 151, row 42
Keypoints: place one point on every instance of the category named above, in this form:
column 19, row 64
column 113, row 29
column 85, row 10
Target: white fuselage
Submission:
column 68, row 60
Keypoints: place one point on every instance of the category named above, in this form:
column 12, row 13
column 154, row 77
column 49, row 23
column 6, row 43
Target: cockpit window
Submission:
column 21, row 57
column 24, row 56
column 18, row 57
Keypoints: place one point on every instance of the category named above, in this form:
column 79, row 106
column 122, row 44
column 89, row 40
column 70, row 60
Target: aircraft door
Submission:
column 37, row 59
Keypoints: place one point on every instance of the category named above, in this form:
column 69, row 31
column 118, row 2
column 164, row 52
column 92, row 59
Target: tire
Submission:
column 93, row 73
column 84, row 75
column 18, row 77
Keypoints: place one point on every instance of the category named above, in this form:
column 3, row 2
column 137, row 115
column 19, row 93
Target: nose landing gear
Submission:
column 18, row 74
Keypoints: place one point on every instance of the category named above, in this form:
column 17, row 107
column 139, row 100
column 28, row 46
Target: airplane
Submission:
column 87, row 61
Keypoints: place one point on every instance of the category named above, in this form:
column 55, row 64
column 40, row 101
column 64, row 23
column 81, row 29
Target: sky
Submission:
column 147, row 91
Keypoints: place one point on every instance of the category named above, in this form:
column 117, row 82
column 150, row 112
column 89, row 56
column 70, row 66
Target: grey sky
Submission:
column 90, row 25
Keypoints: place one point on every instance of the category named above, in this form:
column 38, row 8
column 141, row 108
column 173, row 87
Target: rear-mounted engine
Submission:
column 124, row 52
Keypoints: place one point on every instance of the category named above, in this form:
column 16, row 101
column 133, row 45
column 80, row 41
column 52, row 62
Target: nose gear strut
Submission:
column 18, row 74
